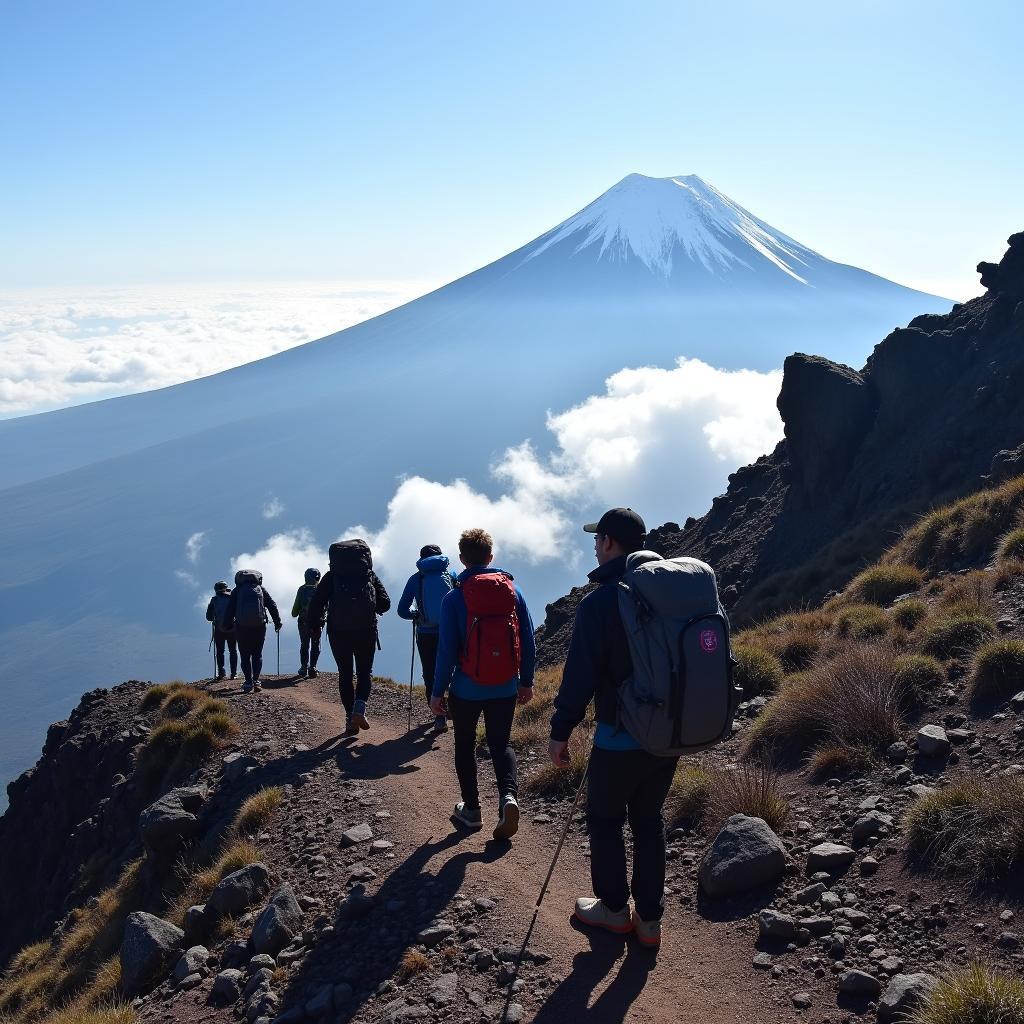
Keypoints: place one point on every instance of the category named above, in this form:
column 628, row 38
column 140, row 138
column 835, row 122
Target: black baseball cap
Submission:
column 621, row 524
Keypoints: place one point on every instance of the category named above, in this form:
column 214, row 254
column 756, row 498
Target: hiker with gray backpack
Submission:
column 246, row 613
column 215, row 615
column 421, row 603
column 650, row 647
column 352, row 596
column 310, row 630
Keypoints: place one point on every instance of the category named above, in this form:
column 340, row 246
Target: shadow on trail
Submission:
column 571, row 1000
column 370, row 936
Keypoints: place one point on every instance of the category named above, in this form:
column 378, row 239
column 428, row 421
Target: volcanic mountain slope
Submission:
column 97, row 501
column 864, row 454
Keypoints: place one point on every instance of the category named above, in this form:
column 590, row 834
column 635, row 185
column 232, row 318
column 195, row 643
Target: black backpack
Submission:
column 306, row 592
column 220, row 606
column 353, row 603
column 250, row 611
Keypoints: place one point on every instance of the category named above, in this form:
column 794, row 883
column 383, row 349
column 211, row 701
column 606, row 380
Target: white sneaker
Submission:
column 591, row 911
column 508, row 820
column 648, row 933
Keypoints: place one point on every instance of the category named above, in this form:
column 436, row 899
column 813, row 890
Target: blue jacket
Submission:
column 430, row 564
column 452, row 640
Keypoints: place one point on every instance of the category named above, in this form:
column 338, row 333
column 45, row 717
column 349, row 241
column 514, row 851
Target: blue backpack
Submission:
column 435, row 584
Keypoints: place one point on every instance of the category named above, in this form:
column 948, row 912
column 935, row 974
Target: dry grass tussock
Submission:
column 956, row 635
column 413, row 962
column 838, row 760
column 190, row 725
column 752, row 789
column 757, row 669
column 115, row 1012
column 909, row 614
column 862, row 622
column 852, row 700
column 881, row 584
column 998, row 669
column 966, row 532
column 530, row 728
column 196, row 886
column 688, row 798
column 976, row 994
column 254, row 814
column 973, row 828
column 549, row 780
column 1011, row 547
column 971, row 593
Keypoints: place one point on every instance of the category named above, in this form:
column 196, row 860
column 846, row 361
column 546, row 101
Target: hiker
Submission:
column 310, row 631
column 352, row 596
column 638, row 700
column 246, row 614
column 215, row 614
column 427, row 587
column 485, row 661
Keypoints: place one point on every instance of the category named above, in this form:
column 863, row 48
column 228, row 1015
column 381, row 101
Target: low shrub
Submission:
column 973, row 828
column 1011, row 548
column 757, row 670
column 976, row 994
column 413, row 962
column 837, row 760
column 956, row 635
column 751, row 789
column 851, row 700
column 918, row 674
column 998, row 669
column 689, row 795
column 910, row 613
column 862, row 622
column 881, row 584
column 257, row 810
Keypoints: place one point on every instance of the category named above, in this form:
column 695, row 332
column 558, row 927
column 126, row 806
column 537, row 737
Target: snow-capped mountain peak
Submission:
column 667, row 221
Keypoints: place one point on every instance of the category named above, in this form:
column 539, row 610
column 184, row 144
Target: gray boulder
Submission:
column 149, row 947
column 193, row 961
column 859, row 983
column 831, row 857
column 227, row 987
column 772, row 924
column 237, row 764
column 872, row 824
column 240, row 889
column 278, row 923
column 361, row 833
column 195, row 925
column 168, row 822
column 904, row 994
column 932, row 741
column 746, row 854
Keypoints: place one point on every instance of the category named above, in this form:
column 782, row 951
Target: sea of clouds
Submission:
column 68, row 346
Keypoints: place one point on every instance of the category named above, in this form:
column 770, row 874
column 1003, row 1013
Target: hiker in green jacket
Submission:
column 310, row 630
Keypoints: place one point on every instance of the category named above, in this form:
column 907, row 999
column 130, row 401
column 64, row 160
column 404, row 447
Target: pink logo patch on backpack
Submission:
column 708, row 641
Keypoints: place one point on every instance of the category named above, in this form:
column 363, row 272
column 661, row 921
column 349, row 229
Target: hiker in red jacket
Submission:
column 485, row 661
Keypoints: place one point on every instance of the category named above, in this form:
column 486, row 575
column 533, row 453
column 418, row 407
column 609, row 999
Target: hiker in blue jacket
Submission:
column 426, row 589
column 485, row 661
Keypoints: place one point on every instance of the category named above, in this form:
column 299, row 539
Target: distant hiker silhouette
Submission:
column 309, row 630
column 485, row 659
column 353, row 597
column 215, row 612
column 427, row 588
column 246, row 613
column 645, row 716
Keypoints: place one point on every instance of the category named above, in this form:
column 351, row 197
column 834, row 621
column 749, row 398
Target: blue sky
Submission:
column 188, row 141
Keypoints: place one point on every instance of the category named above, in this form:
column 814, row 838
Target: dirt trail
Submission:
column 703, row 972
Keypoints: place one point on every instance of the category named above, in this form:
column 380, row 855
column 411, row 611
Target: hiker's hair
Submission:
column 476, row 546
column 429, row 549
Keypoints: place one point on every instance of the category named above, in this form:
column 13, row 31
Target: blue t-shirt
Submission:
column 607, row 737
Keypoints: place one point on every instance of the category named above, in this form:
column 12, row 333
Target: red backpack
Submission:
column 491, row 654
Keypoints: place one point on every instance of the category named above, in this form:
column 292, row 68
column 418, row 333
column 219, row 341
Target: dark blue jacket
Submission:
column 452, row 641
column 598, row 661
column 430, row 564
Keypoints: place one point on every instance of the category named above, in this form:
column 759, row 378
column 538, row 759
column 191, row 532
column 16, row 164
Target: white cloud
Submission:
column 63, row 347
column 194, row 546
column 660, row 440
column 273, row 507
column 186, row 577
column 282, row 560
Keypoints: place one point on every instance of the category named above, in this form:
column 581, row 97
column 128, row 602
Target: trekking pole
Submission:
column 544, row 887
column 278, row 632
column 213, row 634
column 412, row 663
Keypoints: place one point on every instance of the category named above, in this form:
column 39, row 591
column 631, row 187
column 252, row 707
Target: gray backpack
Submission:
column 680, row 697
column 250, row 611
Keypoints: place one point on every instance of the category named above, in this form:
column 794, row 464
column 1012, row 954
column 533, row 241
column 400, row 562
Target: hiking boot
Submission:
column 221, row 674
column 302, row 672
column 508, row 819
column 648, row 933
column 247, row 687
column 312, row 673
column 467, row 817
column 359, row 715
column 233, row 675
column 440, row 724
column 591, row 911
column 257, row 685
column 351, row 729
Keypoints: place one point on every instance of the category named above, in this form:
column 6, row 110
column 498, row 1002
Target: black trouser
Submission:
column 221, row 638
column 498, row 713
column 358, row 645
column 633, row 784
column 426, row 643
column 250, row 647
column 309, row 644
